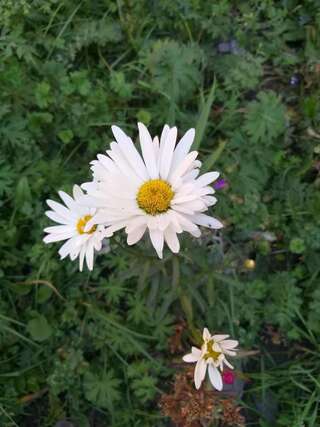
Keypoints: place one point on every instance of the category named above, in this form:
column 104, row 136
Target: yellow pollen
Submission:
column 82, row 223
column 211, row 353
column 155, row 196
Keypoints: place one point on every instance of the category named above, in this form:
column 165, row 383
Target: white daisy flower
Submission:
column 212, row 355
column 159, row 191
column 74, row 218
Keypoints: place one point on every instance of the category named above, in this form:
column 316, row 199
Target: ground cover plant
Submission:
column 105, row 347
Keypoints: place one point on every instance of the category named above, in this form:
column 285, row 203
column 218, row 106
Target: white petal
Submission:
column 172, row 240
column 182, row 168
column 207, row 178
column 199, row 373
column 229, row 344
column 116, row 226
column 156, row 147
column 191, row 175
column 136, row 235
column 185, row 221
column 163, row 221
column 218, row 338
column 157, row 240
column 50, row 238
column 130, row 152
column 68, row 201
column 217, row 347
column 153, row 222
column 75, row 253
column 77, row 192
column 119, row 134
column 190, row 358
column 59, row 229
column 107, row 163
column 209, row 200
column 206, row 334
column 230, row 352
column 58, row 218
column 164, row 133
column 186, row 224
column 167, row 152
column 67, row 247
column 81, row 257
column 190, row 208
column 183, row 198
column 123, row 164
column 196, row 164
column 196, row 351
column 61, row 210
column 148, row 151
column 204, row 191
column 228, row 364
column 182, row 149
column 135, row 222
column 207, row 221
column 174, row 223
column 215, row 377
column 89, row 255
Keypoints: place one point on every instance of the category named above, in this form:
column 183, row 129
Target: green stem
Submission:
column 185, row 302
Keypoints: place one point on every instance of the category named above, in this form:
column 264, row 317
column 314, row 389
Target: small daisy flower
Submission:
column 73, row 219
column 159, row 191
column 212, row 355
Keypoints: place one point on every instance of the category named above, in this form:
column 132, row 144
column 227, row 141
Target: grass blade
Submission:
column 204, row 117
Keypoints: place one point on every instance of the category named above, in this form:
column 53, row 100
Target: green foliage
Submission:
column 39, row 328
column 102, row 391
column 95, row 348
column 265, row 118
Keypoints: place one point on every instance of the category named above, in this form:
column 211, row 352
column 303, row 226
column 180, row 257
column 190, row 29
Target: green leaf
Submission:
column 119, row 85
column 42, row 94
column 214, row 156
column 39, row 328
column 144, row 388
column 23, row 192
column 144, row 116
column 101, row 391
column 204, row 117
column 66, row 135
column 44, row 293
column 81, row 82
column 265, row 119
column 174, row 71
column 297, row 246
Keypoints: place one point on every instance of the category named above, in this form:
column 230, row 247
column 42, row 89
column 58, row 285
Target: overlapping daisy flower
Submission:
column 73, row 218
column 158, row 191
column 212, row 355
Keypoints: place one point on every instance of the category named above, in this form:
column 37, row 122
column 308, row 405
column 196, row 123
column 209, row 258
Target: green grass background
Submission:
column 94, row 348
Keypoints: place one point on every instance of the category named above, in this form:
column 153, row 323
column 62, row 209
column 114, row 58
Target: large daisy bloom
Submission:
column 212, row 355
column 73, row 218
column 159, row 190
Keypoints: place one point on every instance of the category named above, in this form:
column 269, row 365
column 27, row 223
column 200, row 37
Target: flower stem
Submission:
column 185, row 301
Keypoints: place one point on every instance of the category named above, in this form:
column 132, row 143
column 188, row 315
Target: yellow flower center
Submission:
column 210, row 352
column 155, row 196
column 82, row 223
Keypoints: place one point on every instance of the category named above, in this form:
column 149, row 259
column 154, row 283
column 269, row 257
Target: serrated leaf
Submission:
column 101, row 391
column 265, row 119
